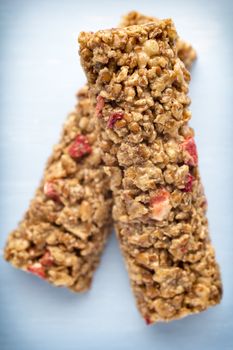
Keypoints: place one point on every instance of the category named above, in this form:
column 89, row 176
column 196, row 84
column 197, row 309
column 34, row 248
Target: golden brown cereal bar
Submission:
column 184, row 50
column 139, row 87
column 64, row 231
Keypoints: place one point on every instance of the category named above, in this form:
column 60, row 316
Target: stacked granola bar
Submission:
column 65, row 228
column 139, row 87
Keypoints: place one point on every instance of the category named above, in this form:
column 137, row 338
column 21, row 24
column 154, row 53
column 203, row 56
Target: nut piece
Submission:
column 160, row 205
column 79, row 147
column 142, row 59
column 85, row 211
column 151, row 47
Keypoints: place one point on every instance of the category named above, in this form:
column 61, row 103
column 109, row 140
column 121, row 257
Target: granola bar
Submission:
column 64, row 231
column 139, row 87
column 185, row 51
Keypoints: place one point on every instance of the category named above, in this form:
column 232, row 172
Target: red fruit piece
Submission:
column 99, row 106
column 79, row 147
column 189, row 183
column 113, row 118
column 148, row 321
column 160, row 205
column 190, row 148
column 46, row 260
column 50, row 191
column 37, row 269
column 183, row 249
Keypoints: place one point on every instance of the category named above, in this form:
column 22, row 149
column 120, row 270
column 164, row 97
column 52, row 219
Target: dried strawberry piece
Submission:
column 190, row 148
column 148, row 321
column 37, row 269
column 99, row 106
column 160, row 205
column 189, row 183
column 79, row 147
column 50, row 191
column 113, row 118
column 183, row 249
column 47, row 259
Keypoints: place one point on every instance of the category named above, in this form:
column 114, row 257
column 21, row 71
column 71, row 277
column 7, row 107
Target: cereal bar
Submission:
column 185, row 51
column 64, row 231
column 139, row 88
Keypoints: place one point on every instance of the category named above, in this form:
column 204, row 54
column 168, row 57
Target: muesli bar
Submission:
column 139, row 88
column 185, row 51
column 64, row 231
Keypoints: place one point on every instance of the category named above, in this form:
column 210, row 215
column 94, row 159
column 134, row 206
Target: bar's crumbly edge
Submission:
column 107, row 58
column 65, row 228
